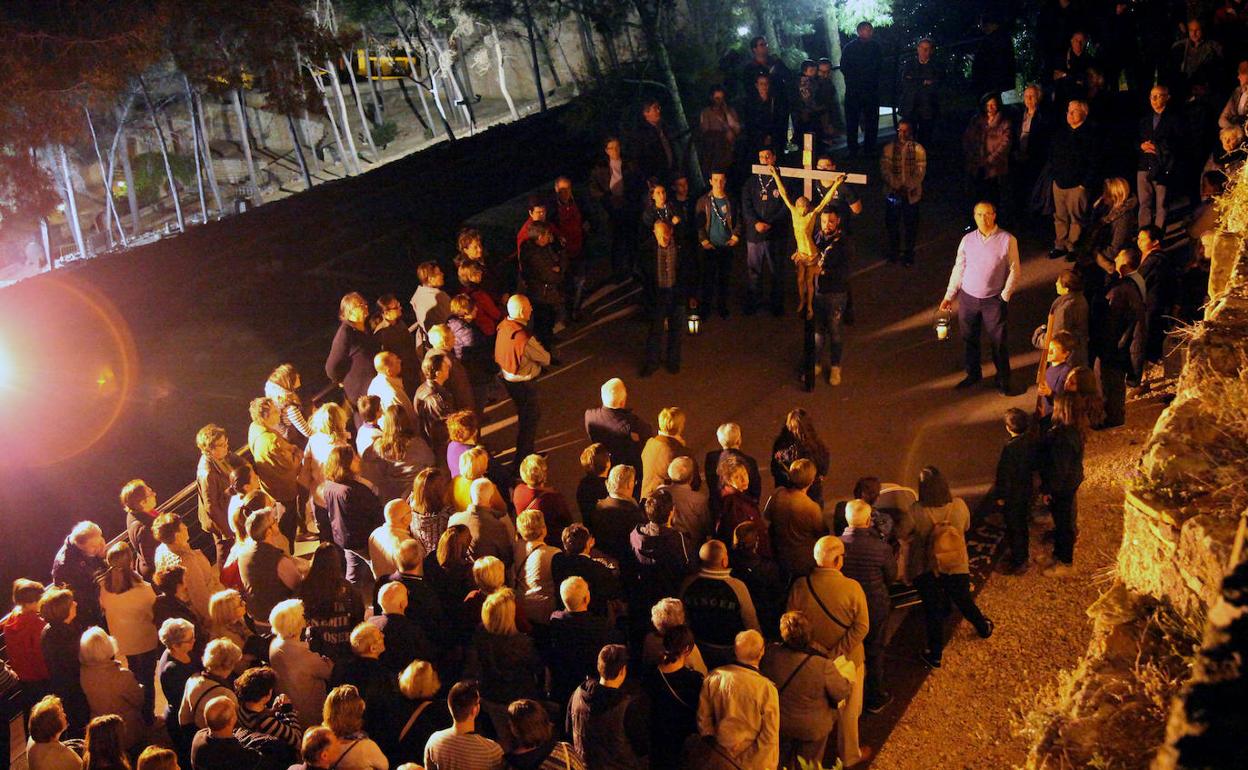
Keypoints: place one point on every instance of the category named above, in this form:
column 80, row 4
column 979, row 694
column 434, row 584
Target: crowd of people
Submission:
column 461, row 612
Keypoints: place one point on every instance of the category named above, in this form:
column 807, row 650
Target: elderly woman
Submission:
column 175, row 669
column 59, row 644
column 228, row 619
column 301, row 674
column 221, row 657
column 534, row 581
column 79, row 560
column 986, row 145
column 534, row 492
column 431, row 506
column 502, row 659
column 354, row 750
column 810, row 687
column 422, row 714
column 44, row 750
column 661, row 449
column 796, row 520
column 736, row 507
column 110, row 687
column 1230, row 157
column 127, row 600
column 665, row 615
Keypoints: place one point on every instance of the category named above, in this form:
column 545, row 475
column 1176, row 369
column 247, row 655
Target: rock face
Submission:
column 1163, row 683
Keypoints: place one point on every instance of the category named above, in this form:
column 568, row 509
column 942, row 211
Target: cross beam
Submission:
column 807, row 172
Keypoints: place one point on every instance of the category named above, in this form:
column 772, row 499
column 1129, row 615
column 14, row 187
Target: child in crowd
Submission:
column 1012, row 491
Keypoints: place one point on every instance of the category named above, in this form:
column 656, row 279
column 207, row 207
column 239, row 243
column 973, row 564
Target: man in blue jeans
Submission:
column 984, row 277
column 766, row 226
column 832, row 293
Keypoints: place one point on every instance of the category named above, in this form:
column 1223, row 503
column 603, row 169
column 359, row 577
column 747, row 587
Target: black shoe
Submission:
column 1004, row 387
column 967, row 382
column 648, row 370
column 673, row 368
column 879, row 705
column 1056, row 253
column 932, row 661
column 988, row 629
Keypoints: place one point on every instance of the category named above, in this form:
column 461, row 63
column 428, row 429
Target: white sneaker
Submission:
column 834, row 375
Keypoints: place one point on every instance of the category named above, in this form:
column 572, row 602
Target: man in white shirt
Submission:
column 388, row 384
column 984, row 277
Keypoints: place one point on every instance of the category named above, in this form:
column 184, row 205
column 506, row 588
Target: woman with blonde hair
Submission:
column 110, row 687
column 157, row 758
column 502, row 659
column 534, row 580
column 221, row 658
column 1113, row 229
column 228, row 619
column 127, row 600
column 301, row 673
column 422, row 714
column 343, row 714
column 662, row 448
column 489, row 574
column 535, row 492
column 431, row 506
column 329, row 429
column 350, row 360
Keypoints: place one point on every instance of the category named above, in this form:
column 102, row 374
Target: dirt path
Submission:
column 984, row 687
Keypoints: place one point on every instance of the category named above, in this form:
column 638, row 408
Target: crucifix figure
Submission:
column 807, row 172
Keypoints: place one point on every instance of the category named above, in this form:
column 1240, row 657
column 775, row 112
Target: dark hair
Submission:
column 466, row 237
column 650, row 102
column 867, row 489
column 325, row 581
column 933, row 489
column 612, row 659
column 1215, row 179
column 863, row 23
column 529, row 723
column 677, row 641
column 240, row 477
column 55, row 604
column 1154, row 232
column 575, row 538
column 659, row 506
column 754, row 41
column 799, row 425
column 430, row 490
column 716, row 88
column 369, row 407
column 105, row 745
column 47, row 719
column 433, row 363
column 539, row 230
column 1017, row 420
column 462, row 699
column 168, row 579
column 255, row 684
column 26, row 591
column 1070, row 280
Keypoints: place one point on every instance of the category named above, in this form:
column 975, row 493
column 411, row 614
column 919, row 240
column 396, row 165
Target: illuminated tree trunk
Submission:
column 359, row 107
column 648, row 14
column 209, row 168
column 346, row 123
column 110, row 211
column 164, row 154
column 537, row 70
column 242, row 130
column 71, row 202
column 199, row 169
column 502, row 73
column 132, row 198
column 833, row 29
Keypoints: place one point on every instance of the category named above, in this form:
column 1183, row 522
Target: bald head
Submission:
column 748, row 647
column 614, row 394
column 393, row 598
column 220, row 714
column 714, row 554
column 518, row 307
column 829, row 552
column 858, row 514
column 398, row 513
column 482, row 491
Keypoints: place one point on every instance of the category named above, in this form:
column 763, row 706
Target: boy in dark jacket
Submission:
column 606, row 723
column 1012, row 491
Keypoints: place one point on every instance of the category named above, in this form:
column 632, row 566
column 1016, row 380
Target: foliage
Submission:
column 385, row 133
column 150, row 182
column 854, row 12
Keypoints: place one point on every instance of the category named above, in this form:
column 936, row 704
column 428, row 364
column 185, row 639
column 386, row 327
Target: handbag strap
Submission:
column 791, row 676
column 205, row 694
column 344, row 754
column 672, row 690
column 412, row 720
column 811, row 587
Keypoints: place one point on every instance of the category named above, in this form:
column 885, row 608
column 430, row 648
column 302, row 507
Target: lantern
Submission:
column 943, row 322
column 695, row 320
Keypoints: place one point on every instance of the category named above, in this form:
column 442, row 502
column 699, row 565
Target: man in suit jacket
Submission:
column 614, row 518
column 617, row 427
column 1161, row 137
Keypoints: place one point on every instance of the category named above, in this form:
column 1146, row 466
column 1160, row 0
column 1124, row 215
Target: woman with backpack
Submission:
column 939, row 564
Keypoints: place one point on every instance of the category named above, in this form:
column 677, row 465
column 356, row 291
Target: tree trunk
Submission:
column 576, row 79
column 359, row 107
column 588, row 47
column 71, row 204
column 132, row 197
column 164, row 154
column 333, row 125
column 434, row 91
column 45, row 241
column 613, row 56
column 199, row 166
column 353, row 157
column 550, row 61
column 211, row 170
column 411, row 73
column 537, row 71
column 251, row 163
column 303, row 163
column 110, row 212
column 379, row 108
column 502, row 73
column 455, row 97
column 649, row 17
column 832, row 28
column 112, row 162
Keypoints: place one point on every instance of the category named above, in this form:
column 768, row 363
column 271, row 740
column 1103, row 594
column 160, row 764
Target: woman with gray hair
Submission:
column 810, row 686
column 301, row 674
column 110, row 687
column 174, row 670
column 220, row 658
column 665, row 615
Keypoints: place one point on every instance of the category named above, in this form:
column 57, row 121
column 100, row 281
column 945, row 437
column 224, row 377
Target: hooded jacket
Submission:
column 605, row 727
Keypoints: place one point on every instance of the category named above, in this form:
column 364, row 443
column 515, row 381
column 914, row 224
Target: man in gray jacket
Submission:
column 870, row 561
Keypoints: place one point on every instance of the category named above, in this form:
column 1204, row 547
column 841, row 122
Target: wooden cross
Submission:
column 807, row 173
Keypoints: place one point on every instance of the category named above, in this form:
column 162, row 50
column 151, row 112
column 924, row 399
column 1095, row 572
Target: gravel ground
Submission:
column 965, row 715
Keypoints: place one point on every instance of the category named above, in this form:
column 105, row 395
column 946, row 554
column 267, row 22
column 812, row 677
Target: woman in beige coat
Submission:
column 301, row 673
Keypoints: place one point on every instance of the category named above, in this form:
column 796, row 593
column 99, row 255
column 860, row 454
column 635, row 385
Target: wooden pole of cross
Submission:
column 807, row 172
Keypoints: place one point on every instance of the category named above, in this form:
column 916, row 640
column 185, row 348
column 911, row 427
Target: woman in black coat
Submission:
column 350, row 362
column 798, row 440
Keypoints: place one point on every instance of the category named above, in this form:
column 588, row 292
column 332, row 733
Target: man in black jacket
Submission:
column 861, row 62
column 657, row 154
column 614, row 518
column 1161, row 138
column 1012, row 490
column 617, row 427
column 542, row 268
column 765, row 217
column 666, row 273
column 1118, row 331
column 578, row 559
column 765, row 117
column 1074, row 162
column 574, row 637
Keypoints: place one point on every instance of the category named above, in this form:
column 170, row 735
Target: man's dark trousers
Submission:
column 524, row 396
column 901, row 218
column 873, row 646
column 668, row 306
column 765, row 255
column 862, row 106
column 1114, row 389
column 976, row 315
column 716, row 272
column 1065, row 526
column 1015, row 512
